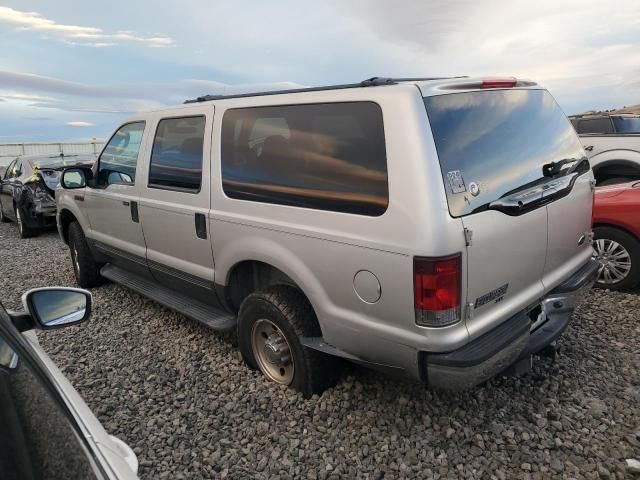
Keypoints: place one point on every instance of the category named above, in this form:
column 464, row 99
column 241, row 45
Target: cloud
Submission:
column 116, row 97
column 80, row 124
column 76, row 34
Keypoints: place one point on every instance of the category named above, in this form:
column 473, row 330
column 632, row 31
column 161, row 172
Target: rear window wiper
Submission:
column 551, row 169
column 523, row 200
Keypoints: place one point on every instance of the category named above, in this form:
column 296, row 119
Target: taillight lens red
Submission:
column 437, row 290
column 507, row 82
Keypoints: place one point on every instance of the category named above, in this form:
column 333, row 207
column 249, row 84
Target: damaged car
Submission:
column 27, row 190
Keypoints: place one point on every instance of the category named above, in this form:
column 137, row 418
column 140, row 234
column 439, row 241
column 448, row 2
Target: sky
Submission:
column 72, row 70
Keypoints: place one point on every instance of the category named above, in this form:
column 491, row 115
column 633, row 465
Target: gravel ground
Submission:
column 181, row 397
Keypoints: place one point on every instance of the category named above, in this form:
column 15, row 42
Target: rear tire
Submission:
column 614, row 249
column 86, row 269
column 271, row 324
column 23, row 229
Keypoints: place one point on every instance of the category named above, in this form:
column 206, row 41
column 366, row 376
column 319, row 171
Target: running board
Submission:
column 212, row 317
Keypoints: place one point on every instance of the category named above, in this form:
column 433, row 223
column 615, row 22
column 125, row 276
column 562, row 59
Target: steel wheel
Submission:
column 614, row 259
column 272, row 352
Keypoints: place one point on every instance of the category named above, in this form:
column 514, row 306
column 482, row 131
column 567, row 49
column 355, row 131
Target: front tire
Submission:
column 271, row 324
column 23, row 229
column 618, row 253
column 86, row 269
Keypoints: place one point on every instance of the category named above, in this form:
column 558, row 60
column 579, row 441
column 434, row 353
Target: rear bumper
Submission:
column 511, row 341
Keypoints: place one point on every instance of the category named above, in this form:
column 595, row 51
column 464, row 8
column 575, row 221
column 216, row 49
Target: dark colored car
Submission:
column 27, row 190
column 616, row 225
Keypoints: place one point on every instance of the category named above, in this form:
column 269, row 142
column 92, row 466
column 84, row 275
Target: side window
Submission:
column 117, row 164
column 323, row 156
column 17, row 169
column 602, row 125
column 8, row 173
column 176, row 158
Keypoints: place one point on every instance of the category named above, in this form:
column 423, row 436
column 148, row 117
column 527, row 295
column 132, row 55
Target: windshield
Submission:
column 494, row 142
column 627, row 124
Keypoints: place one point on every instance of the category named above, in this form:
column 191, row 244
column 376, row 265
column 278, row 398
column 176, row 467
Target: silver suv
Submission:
column 434, row 228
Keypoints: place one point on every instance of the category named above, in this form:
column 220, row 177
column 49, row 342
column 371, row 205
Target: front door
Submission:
column 175, row 201
column 112, row 203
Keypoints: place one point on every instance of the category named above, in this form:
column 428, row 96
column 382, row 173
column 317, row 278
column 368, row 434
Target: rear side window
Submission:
column 600, row 125
column 117, row 164
column 627, row 124
column 494, row 142
column 323, row 156
column 176, row 158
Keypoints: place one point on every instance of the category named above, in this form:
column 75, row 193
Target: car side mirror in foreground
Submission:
column 57, row 307
column 75, row 177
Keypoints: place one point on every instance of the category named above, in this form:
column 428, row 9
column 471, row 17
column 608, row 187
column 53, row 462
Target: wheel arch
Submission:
column 248, row 266
column 66, row 218
column 616, row 226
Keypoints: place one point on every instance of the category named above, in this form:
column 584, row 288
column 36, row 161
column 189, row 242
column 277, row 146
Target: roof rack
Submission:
column 370, row 82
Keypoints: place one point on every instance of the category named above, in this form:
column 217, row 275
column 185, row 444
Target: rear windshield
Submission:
column 493, row 142
column 627, row 124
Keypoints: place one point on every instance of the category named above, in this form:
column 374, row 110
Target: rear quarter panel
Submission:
column 322, row 251
column 621, row 210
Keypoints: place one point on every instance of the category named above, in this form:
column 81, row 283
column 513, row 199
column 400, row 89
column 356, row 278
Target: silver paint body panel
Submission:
column 322, row 251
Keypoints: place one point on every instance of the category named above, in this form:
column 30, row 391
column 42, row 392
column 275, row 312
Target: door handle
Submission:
column 588, row 148
column 201, row 225
column 134, row 211
column 125, row 203
column 79, row 198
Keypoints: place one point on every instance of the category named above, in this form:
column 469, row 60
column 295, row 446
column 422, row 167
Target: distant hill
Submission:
column 635, row 109
column 631, row 109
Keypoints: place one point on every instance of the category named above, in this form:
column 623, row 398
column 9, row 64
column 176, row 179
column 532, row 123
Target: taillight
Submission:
column 437, row 289
column 506, row 82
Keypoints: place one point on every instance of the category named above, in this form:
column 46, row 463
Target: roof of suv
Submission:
column 451, row 83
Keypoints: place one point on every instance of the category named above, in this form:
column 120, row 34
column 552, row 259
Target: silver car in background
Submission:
column 438, row 229
column 46, row 430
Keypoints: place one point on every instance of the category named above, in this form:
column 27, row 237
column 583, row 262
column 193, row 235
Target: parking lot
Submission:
column 181, row 396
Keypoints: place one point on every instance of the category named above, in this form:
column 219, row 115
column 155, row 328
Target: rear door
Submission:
column 175, row 201
column 505, row 156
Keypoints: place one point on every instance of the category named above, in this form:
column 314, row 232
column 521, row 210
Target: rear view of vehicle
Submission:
column 516, row 176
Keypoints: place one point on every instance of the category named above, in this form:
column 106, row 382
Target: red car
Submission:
column 616, row 225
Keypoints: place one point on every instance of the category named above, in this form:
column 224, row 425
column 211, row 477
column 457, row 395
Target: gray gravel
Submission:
column 182, row 398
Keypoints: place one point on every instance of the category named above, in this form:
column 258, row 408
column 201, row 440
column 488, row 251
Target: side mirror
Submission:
column 75, row 177
column 57, row 307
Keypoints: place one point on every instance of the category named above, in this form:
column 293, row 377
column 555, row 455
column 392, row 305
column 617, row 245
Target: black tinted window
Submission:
column 627, row 124
column 322, row 156
column 176, row 159
column 499, row 141
column 118, row 161
column 595, row 125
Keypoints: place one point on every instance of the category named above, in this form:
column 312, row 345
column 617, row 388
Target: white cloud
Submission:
column 76, row 34
column 80, row 124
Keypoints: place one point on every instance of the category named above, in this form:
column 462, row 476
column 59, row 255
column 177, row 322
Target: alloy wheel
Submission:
column 272, row 352
column 614, row 259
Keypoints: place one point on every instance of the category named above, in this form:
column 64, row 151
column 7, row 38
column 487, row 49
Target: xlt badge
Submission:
column 494, row 295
